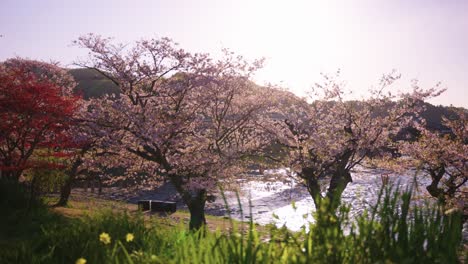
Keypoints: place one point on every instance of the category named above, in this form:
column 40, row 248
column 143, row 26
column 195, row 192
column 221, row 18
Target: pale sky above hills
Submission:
column 422, row 39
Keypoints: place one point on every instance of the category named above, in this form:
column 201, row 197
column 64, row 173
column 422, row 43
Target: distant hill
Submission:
column 433, row 114
column 93, row 84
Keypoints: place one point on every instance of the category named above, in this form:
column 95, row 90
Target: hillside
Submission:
column 92, row 84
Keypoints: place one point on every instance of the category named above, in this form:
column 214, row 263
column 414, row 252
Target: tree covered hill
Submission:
column 93, row 84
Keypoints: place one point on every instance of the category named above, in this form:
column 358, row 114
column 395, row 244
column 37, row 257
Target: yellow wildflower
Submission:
column 105, row 238
column 80, row 261
column 129, row 237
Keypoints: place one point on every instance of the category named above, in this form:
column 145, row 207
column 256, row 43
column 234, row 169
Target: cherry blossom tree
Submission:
column 88, row 145
column 443, row 156
column 184, row 117
column 330, row 136
column 36, row 106
column 83, row 144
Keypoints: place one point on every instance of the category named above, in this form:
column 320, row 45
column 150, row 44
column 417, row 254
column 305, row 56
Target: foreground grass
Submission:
column 391, row 232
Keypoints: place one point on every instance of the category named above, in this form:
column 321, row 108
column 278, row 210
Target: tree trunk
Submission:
column 32, row 193
column 312, row 185
column 196, row 205
column 338, row 183
column 65, row 191
column 195, row 201
column 100, row 185
column 433, row 188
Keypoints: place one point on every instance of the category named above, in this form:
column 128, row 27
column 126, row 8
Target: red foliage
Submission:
column 36, row 113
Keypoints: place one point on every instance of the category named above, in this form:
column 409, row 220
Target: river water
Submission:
column 269, row 198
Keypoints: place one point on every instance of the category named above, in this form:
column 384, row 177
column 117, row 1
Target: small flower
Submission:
column 105, row 238
column 129, row 237
column 80, row 261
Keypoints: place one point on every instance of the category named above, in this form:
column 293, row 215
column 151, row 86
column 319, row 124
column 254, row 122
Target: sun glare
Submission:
column 308, row 36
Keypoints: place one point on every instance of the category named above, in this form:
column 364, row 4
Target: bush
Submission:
column 17, row 206
column 23, row 217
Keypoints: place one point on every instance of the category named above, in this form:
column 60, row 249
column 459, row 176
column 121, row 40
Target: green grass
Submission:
column 393, row 231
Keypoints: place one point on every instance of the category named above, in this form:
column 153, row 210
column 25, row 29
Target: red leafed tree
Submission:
column 36, row 109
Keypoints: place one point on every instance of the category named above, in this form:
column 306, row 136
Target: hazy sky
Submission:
column 422, row 39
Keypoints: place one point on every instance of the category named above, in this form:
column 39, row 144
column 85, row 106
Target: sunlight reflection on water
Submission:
column 275, row 197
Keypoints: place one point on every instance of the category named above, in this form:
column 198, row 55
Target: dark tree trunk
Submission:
column 313, row 185
column 32, row 193
column 91, row 182
column 436, row 192
column 196, row 205
column 100, row 185
column 195, row 201
column 65, row 191
column 433, row 189
column 338, row 183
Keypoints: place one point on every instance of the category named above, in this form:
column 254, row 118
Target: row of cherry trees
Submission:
column 197, row 122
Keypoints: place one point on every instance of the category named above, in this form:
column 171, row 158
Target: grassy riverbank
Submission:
column 101, row 231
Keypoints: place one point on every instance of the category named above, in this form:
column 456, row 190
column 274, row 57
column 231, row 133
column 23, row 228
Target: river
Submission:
column 272, row 196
